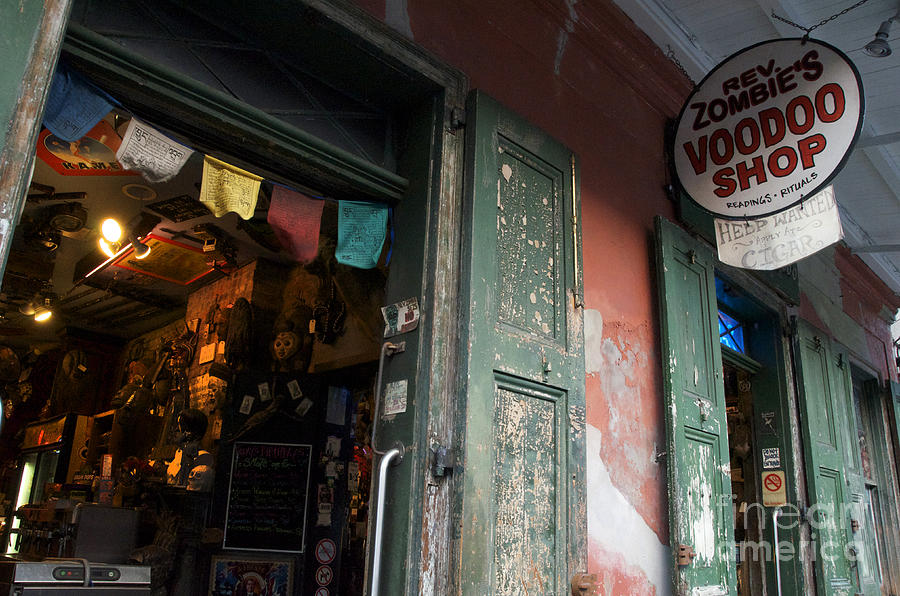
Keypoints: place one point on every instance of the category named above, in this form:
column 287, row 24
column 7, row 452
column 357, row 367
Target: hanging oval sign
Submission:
column 767, row 127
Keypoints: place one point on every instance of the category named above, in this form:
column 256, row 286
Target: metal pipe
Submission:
column 775, row 515
column 379, row 513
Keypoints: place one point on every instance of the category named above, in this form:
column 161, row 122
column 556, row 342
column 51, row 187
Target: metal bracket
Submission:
column 443, row 461
column 686, row 555
column 457, row 118
column 396, row 348
column 585, row 584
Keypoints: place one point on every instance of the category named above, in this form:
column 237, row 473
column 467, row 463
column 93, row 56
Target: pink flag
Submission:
column 295, row 219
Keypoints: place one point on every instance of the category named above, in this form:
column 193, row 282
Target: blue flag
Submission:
column 361, row 230
column 74, row 106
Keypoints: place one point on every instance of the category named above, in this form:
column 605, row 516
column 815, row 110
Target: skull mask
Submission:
column 286, row 345
column 200, row 479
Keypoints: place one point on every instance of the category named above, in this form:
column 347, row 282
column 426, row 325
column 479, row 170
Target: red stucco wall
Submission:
column 586, row 75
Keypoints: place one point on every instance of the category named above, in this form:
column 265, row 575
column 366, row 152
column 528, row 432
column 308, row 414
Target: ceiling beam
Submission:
column 876, row 248
column 878, row 140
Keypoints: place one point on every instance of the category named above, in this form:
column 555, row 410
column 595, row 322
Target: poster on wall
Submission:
column 231, row 576
column 773, row 242
column 168, row 260
column 769, row 126
column 94, row 154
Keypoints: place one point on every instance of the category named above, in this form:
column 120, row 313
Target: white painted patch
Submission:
column 593, row 339
column 396, row 15
column 506, row 171
column 614, row 522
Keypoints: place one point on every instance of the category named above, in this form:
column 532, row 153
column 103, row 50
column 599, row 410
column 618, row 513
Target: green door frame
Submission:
column 418, row 556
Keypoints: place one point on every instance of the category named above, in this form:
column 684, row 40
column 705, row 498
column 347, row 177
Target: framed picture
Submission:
column 246, row 576
column 168, row 260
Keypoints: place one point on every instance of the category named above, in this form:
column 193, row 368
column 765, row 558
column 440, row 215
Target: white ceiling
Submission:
column 698, row 34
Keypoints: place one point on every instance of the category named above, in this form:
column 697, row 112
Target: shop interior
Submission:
column 210, row 400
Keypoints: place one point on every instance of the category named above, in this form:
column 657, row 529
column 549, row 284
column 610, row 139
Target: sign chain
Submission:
column 820, row 23
column 670, row 54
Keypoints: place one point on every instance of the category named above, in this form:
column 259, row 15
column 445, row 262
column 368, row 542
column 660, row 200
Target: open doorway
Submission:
column 273, row 356
column 759, row 439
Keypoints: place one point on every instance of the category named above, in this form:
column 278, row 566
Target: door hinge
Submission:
column 686, row 555
column 443, row 461
column 585, row 584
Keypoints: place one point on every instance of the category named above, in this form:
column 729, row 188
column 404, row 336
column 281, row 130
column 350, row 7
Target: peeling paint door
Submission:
column 824, row 390
column 700, row 508
column 523, row 508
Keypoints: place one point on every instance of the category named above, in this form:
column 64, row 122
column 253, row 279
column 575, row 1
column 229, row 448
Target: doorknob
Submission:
column 585, row 584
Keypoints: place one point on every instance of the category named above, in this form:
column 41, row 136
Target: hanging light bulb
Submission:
column 43, row 313
column 108, row 249
column 111, row 230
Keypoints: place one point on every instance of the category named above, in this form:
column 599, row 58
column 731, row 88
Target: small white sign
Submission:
column 294, row 389
column 771, row 458
column 778, row 240
column 264, row 394
column 207, row 353
column 400, row 317
column 395, row 398
column 247, row 404
column 774, row 492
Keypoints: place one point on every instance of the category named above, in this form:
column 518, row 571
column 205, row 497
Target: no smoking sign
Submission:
column 774, row 493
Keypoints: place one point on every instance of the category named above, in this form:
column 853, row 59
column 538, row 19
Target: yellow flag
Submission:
column 227, row 188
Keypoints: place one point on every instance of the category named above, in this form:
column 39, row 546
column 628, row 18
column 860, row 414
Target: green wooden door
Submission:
column 700, row 509
column 823, row 413
column 861, row 554
column 523, row 511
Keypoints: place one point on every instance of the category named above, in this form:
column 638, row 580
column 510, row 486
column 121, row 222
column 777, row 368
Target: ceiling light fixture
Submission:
column 141, row 250
column 42, row 314
column 879, row 47
column 116, row 238
column 107, row 248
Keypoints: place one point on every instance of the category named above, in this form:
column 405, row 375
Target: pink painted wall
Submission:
column 587, row 76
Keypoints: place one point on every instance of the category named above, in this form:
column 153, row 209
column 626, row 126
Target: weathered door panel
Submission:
column 523, row 514
column 823, row 410
column 30, row 38
column 859, row 518
column 701, row 515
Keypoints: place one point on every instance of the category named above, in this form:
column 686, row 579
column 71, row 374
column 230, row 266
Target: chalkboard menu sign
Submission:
column 267, row 497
